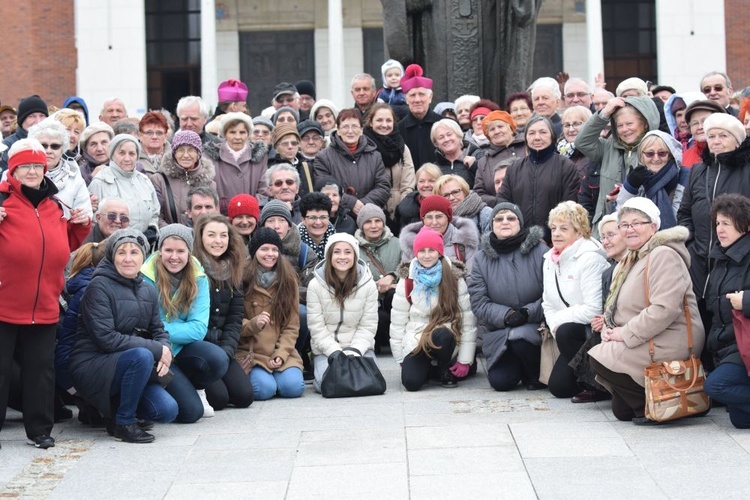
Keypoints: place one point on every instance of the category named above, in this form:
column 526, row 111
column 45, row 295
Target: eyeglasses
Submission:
column 435, row 218
column 504, row 218
column 316, row 218
column 519, row 110
column 453, row 194
column 572, row 125
column 186, row 150
column 352, row 128
column 580, row 95
column 261, row 132
column 633, row 225
column 288, row 99
column 289, row 144
column 280, row 182
column 608, row 236
column 660, row 154
column 717, row 88
column 152, row 133
column 53, row 147
column 313, row 138
column 30, row 166
column 112, row 217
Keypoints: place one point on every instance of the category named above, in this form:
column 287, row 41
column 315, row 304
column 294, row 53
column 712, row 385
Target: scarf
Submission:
column 265, row 277
column 621, row 274
column 470, row 207
column 120, row 172
column 320, row 249
column 219, row 271
column 657, row 188
column 174, row 281
column 236, row 154
column 427, row 280
column 59, row 175
column 510, row 244
column 683, row 137
column 390, row 147
column 565, row 148
column 480, row 140
column 36, row 196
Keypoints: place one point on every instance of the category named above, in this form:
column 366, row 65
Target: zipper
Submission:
column 338, row 327
column 41, row 266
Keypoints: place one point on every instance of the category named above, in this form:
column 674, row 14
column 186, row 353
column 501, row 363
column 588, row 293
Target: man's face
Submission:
column 306, row 102
column 283, row 186
column 363, row 93
column 192, row 119
column 113, row 112
column 545, row 103
column 312, row 143
column 115, row 215
column 715, row 87
column 237, row 107
column 600, row 100
column 6, row 120
column 201, row 205
column 664, row 95
column 32, row 119
column 286, row 100
column 419, row 100
column 577, row 94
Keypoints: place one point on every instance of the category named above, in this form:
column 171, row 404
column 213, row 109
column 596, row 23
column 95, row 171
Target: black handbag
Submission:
column 351, row 376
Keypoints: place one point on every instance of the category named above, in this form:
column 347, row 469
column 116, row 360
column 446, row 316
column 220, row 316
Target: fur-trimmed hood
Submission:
column 738, row 158
column 257, row 150
column 203, row 175
column 460, row 230
column 458, row 268
column 674, row 238
column 291, row 245
column 534, row 238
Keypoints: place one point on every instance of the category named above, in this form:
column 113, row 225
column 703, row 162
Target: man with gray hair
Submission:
column 193, row 115
column 283, row 185
column 545, row 96
column 112, row 214
column 717, row 86
column 364, row 91
column 577, row 92
column 201, row 200
column 113, row 110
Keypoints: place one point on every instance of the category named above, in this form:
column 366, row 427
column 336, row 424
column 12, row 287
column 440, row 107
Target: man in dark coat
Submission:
column 415, row 128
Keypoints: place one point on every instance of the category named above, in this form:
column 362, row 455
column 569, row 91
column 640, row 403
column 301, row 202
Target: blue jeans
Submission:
column 137, row 396
column 196, row 366
column 730, row 384
column 288, row 383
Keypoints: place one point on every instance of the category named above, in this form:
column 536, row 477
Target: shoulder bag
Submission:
column 351, row 376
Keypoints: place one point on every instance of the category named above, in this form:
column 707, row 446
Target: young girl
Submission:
column 271, row 323
column 431, row 320
column 184, row 299
column 219, row 247
column 391, row 92
column 342, row 305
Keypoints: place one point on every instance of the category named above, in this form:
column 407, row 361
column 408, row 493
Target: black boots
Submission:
column 132, row 433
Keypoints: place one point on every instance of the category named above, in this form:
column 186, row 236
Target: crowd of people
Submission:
column 163, row 268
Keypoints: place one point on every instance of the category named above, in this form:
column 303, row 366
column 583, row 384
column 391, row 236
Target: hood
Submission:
column 673, row 144
column 458, row 268
column 291, row 244
column 149, row 267
column 387, row 235
column 363, row 273
column 738, row 158
column 688, row 97
column 674, row 238
column 80, row 101
column 533, row 238
column 80, row 280
column 203, row 175
column 646, row 107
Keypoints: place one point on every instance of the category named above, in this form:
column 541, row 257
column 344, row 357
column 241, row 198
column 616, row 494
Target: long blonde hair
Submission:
column 187, row 290
column 446, row 311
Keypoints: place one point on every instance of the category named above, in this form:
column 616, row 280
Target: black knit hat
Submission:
column 262, row 237
column 306, row 87
column 31, row 104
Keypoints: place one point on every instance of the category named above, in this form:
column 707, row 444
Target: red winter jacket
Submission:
column 35, row 244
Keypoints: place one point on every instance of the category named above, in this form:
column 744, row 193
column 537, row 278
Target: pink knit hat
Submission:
column 428, row 238
column 413, row 78
column 232, row 91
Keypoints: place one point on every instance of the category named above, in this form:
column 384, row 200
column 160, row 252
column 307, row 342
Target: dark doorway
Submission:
column 629, row 36
column 374, row 53
column 548, row 56
column 270, row 57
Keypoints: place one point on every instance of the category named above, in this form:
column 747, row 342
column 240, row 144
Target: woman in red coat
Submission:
column 35, row 243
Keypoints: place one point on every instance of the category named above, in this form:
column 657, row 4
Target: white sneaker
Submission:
column 208, row 410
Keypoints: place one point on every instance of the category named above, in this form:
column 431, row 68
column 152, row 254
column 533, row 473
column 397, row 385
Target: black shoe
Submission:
column 45, row 441
column 109, row 426
column 533, row 385
column 62, row 412
column 131, row 433
column 145, row 425
column 644, row 421
column 590, row 396
column 447, row 380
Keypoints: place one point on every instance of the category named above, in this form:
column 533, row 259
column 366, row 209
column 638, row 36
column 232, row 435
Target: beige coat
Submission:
column 403, row 181
column 664, row 320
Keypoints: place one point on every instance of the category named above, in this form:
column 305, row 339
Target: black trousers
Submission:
column 519, row 362
column 33, row 347
column 628, row 397
column 382, row 335
column 562, row 381
column 415, row 370
column 234, row 388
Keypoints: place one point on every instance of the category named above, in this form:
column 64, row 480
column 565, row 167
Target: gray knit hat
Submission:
column 294, row 113
column 262, row 120
column 508, row 206
column 122, row 236
column 176, row 231
column 275, row 208
column 119, row 139
column 369, row 211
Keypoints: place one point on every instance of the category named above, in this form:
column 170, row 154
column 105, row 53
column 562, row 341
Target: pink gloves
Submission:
column 459, row 370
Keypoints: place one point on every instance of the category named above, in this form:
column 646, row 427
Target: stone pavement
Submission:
column 465, row 443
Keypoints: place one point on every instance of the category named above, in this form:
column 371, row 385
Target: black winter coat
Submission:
column 416, row 134
column 456, row 167
column 407, row 212
column 225, row 318
column 731, row 273
column 484, row 178
column 345, row 221
column 715, row 175
column 111, row 309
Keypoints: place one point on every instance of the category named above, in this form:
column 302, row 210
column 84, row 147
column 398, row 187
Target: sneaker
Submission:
column 208, row 410
column 448, row 380
column 45, row 441
column 131, row 433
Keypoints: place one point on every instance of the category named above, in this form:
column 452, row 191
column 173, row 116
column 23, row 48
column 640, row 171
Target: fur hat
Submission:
column 287, row 109
column 498, row 116
column 243, row 204
column 644, row 205
column 306, row 87
column 390, row 64
column 29, row 105
column 120, row 138
column 726, row 122
column 122, row 236
column 275, row 208
column 369, row 211
column 180, row 231
column 232, row 91
column 282, row 130
column 345, row 237
column 436, row 202
column 428, row 238
column 227, row 118
column 508, row 206
column 264, row 236
column 413, row 79
column 632, row 84
column 187, row 138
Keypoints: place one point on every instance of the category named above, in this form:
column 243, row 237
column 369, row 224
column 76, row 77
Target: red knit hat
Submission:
column 428, row 238
column 413, row 78
column 243, row 204
column 436, row 202
column 25, row 157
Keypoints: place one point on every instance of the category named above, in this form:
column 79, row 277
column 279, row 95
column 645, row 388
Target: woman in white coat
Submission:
column 342, row 305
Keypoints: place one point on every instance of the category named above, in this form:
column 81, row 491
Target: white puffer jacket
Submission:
column 579, row 275
column 333, row 328
column 408, row 321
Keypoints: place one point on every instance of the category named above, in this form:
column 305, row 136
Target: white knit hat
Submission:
column 644, row 205
column 727, row 122
column 632, row 84
column 345, row 237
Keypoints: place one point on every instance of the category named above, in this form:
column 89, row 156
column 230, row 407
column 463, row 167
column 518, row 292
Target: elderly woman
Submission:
column 354, row 161
column 541, row 180
column 572, row 290
column 646, row 303
column 74, row 122
column 120, row 179
column 71, row 188
column 475, row 136
column 33, row 235
column 184, row 169
column 573, row 120
column 449, row 144
column 262, row 130
column 505, row 287
column 729, row 382
column 380, row 128
column 723, row 170
column 152, row 134
column 658, row 176
column 460, row 236
column 463, row 110
column 285, row 114
column 407, row 211
column 630, row 119
column 341, row 217
column 464, row 202
column 520, row 107
column 240, row 163
column 325, row 112
column 500, row 129
column 95, row 141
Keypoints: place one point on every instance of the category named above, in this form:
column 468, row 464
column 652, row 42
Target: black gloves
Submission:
column 638, row 176
column 514, row 318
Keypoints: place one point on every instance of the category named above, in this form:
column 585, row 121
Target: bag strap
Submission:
column 687, row 317
column 306, row 171
column 408, row 287
column 459, row 249
column 170, row 198
column 374, row 260
column 560, row 293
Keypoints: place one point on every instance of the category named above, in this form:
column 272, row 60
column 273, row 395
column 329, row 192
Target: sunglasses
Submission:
column 504, row 218
column 659, row 154
column 281, row 182
column 53, row 147
column 717, row 88
column 287, row 144
column 112, row 217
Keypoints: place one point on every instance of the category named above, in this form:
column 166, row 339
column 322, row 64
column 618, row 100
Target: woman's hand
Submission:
column 612, row 334
column 736, row 299
column 94, row 202
column 262, row 320
column 385, row 283
column 612, row 106
column 275, row 363
column 597, row 323
column 78, row 216
column 2, row 214
column 469, row 161
column 162, row 366
column 357, row 207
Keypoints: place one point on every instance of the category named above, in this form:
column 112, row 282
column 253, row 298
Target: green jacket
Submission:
column 387, row 250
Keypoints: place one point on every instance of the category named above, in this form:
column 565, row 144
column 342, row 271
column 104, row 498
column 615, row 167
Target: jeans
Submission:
column 415, row 370
column 288, row 383
column 234, row 388
column 730, row 384
column 519, row 362
column 196, row 366
column 321, row 365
